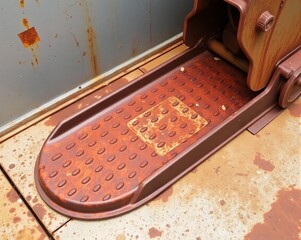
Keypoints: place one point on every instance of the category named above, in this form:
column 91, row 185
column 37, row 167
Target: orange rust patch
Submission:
column 39, row 210
column 16, row 220
column 12, row 195
column 29, row 37
column 170, row 115
column 154, row 232
column 12, row 210
column 262, row 163
column 25, row 23
column 283, row 221
column 22, row 4
column 92, row 49
column 11, row 166
column 295, row 109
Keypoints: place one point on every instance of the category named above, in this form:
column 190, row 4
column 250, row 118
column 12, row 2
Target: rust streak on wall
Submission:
column 22, row 3
column 92, row 45
column 25, row 23
column 34, row 51
column 30, row 39
column 91, row 38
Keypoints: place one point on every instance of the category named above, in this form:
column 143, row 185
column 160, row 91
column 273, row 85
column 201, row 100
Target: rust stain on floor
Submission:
column 12, row 196
column 239, row 179
column 262, row 163
column 295, row 109
column 16, row 221
column 11, row 166
column 283, row 221
column 205, row 179
column 39, row 210
column 165, row 195
column 154, row 232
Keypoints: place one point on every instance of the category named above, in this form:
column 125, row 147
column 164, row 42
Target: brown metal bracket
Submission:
column 288, row 70
column 267, row 31
column 291, row 89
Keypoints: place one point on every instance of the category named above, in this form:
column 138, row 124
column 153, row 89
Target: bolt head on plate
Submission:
column 265, row 21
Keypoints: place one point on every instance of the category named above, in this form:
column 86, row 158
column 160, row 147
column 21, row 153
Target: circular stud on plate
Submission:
column 265, row 21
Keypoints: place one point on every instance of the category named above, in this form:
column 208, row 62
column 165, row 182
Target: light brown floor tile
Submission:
column 163, row 58
column 16, row 221
column 133, row 75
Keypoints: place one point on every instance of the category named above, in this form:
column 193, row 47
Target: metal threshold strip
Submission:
column 127, row 148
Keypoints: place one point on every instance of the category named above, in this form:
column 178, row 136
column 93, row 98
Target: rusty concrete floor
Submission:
column 250, row 189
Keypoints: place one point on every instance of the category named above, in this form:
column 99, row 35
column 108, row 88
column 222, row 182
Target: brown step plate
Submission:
column 96, row 163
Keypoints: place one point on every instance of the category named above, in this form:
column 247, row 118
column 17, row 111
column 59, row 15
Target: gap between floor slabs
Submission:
column 49, row 235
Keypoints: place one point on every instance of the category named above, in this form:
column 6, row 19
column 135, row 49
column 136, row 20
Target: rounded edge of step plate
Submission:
column 94, row 214
column 140, row 195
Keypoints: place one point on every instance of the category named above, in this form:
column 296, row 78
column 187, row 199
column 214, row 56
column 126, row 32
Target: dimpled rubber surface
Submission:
column 94, row 169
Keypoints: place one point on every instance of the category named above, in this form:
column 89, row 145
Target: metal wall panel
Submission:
column 72, row 42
